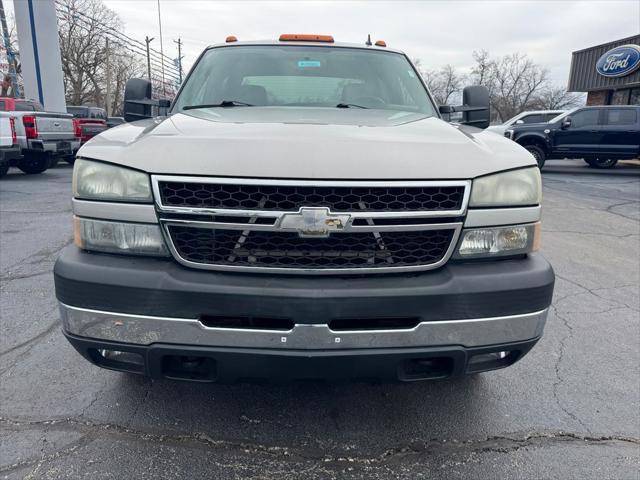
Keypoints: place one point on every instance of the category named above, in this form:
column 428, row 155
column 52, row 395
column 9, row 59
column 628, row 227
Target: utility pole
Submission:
column 11, row 56
column 148, row 41
column 180, row 57
column 164, row 85
column 108, row 90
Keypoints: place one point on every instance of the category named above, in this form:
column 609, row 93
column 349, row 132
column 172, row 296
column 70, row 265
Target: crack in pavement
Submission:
column 559, row 379
column 575, row 232
column 30, row 343
column 21, row 276
column 44, row 253
column 504, row 443
column 593, row 291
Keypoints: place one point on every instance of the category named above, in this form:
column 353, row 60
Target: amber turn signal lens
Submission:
column 537, row 237
column 302, row 37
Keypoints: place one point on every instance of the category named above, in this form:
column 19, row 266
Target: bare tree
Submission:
column 445, row 84
column 514, row 81
column 83, row 27
column 557, row 98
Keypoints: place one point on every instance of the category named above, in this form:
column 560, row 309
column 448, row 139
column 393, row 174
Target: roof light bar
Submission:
column 302, row 37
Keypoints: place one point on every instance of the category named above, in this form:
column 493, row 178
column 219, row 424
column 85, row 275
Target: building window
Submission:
column 620, row 97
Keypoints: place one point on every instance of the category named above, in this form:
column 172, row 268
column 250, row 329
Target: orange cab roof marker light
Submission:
column 302, row 37
column 231, row 39
column 381, row 43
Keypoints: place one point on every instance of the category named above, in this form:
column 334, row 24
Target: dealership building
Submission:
column 609, row 73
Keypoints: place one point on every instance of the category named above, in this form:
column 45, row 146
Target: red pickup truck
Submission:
column 88, row 122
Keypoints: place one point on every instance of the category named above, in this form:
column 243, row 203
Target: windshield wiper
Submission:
column 349, row 105
column 224, row 103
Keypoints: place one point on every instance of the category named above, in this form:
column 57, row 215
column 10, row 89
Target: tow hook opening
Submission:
column 187, row 367
column 432, row 368
column 483, row 362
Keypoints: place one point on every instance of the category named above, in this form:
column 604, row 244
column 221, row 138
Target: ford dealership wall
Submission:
column 610, row 73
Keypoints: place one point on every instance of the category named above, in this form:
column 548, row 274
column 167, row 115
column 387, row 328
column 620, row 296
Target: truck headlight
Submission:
column 102, row 181
column 499, row 241
column 507, row 189
column 118, row 237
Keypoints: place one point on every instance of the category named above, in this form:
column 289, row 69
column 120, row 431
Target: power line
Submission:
column 95, row 20
column 141, row 51
column 132, row 42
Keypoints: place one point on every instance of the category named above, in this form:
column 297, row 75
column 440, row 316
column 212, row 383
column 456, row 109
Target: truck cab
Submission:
column 600, row 135
column 303, row 211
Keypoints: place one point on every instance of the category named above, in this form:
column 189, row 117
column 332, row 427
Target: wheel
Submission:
column 4, row 168
column 601, row 162
column 537, row 153
column 33, row 164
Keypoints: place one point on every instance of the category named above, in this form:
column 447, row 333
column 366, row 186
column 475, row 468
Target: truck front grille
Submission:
column 307, row 227
column 292, row 197
column 288, row 250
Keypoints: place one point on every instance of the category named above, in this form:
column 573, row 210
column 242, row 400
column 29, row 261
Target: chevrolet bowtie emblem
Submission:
column 314, row 222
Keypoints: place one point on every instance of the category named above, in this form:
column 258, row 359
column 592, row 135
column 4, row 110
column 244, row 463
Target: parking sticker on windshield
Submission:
column 308, row 63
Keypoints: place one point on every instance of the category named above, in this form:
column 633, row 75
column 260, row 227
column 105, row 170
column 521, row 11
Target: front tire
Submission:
column 34, row 164
column 537, row 153
column 601, row 162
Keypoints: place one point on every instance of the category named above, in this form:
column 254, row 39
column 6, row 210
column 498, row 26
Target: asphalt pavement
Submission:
column 570, row 409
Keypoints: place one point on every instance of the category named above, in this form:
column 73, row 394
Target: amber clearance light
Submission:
column 302, row 37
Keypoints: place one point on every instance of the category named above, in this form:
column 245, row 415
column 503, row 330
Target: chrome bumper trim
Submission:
column 145, row 330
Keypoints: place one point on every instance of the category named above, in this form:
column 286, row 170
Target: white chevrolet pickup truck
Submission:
column 304, row 212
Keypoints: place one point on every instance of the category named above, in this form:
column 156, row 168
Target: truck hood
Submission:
column 306, row 143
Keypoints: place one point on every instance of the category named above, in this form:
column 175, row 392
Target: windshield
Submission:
column 562, row 115
column 78, row 112
column 305, row 76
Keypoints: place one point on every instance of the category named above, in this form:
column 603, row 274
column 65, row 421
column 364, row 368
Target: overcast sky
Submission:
column 438, row 32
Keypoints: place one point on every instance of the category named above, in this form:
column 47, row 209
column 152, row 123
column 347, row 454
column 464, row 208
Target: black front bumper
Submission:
column 231, row 365
column 10, row 155
column 154, row 287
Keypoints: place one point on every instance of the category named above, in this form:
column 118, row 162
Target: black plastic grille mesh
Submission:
column 288, row 250
column 267, row 197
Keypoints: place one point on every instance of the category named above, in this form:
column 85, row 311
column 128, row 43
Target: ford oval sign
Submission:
column 619, row 61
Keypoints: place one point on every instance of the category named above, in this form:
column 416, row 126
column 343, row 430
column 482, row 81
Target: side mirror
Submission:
column 566, row 123
column 476, row 98
column 519, row 122
column 475, row 107
column 137, row 100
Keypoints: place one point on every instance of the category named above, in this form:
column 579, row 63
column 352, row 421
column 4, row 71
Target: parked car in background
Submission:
column 88, row 122
column 43, row 137
column 10, row 152
column 304, row 212
column 600, row 135
column 537, row 116
column 114, row 121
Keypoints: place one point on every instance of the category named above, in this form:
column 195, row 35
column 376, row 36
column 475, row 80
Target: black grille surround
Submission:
column 292, row 197
column 287, row 250
column 310, row 227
